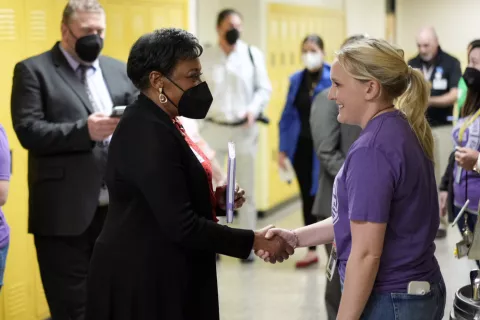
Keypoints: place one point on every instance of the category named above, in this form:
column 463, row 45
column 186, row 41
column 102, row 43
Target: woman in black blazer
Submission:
column 155, row 258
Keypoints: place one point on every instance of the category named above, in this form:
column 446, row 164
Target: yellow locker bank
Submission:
column 29, row 27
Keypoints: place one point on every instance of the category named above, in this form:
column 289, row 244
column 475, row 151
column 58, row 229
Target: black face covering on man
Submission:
column 88, row 48
column 232, row 36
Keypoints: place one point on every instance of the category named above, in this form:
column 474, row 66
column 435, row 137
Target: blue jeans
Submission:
column 404, row 306
column 3, row 262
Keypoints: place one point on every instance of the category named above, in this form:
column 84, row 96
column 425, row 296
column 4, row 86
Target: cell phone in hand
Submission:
column 117, row 111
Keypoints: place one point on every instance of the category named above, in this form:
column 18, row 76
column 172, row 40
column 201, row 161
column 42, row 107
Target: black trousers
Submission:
column 64, row 262
column 302, row 164
column 333, row 291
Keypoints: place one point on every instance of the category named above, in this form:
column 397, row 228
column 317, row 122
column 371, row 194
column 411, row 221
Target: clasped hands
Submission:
column 274, row 245
column 271, row 244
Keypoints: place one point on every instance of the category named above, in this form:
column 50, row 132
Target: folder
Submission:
column 230, row 194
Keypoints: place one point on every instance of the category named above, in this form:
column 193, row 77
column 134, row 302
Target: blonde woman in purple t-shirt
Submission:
column 384, row 205
column 4, row 184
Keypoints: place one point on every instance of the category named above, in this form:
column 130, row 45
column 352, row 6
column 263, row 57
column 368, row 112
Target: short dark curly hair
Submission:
column 160, row 51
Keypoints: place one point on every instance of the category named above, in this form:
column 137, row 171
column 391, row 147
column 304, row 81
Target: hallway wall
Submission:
column 366, row 16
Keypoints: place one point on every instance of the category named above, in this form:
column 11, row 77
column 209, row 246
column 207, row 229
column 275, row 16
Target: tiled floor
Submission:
column 261, row 291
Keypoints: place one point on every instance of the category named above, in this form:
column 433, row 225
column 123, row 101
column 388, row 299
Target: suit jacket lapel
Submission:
column 65, row 71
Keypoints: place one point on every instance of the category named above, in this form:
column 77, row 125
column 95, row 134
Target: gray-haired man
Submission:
column 61, row 104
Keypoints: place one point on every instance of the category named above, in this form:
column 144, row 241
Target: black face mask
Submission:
column 88, row 47
column 472, row 79
column 232, row 36
column 195, row 102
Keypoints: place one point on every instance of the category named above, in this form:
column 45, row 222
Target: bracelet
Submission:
column 296, row 239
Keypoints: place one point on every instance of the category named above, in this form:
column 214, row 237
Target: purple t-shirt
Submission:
column 4, row 176
column 386, row 178
column 470, row 139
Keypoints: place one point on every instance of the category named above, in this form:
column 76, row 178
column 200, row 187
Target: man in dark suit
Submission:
column 61, row 104
column 332, row 141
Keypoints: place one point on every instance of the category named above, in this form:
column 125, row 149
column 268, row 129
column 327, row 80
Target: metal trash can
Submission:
column 464, row 308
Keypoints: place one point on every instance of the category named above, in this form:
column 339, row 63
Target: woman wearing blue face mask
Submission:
column 296, row 142
column 155, row 256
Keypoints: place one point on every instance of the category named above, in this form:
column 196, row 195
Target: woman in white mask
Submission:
column 296, row 143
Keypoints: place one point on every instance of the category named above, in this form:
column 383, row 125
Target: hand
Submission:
column 466, row 158
column 282, row 156
column 286, row 235
column 278, row 248
column 101, row 126
column 222, row 199
column 442, row 203
column 250, row 119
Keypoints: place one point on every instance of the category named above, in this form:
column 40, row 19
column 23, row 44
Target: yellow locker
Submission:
column 27, row 28
column 16, row 295
column 287, row 26
column 127, row 20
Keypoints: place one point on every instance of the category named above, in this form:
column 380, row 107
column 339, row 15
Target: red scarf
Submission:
column 207, row 166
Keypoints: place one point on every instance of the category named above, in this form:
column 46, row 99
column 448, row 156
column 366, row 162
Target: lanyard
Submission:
column 427, row 73
column 467, row 124
column 461, row 132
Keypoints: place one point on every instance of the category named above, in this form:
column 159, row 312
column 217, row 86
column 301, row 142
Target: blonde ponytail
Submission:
column 369, row 59
column 413, row 103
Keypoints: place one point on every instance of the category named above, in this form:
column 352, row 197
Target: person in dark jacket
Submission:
column 445, row 190
column 61, row 104
column 155, row 257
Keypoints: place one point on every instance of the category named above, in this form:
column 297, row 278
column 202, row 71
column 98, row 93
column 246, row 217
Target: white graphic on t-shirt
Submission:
column 335, row 216
column 471, row 136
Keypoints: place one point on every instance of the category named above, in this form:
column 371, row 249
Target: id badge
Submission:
column 332, row 263
column 440, row 84
column 462, row 249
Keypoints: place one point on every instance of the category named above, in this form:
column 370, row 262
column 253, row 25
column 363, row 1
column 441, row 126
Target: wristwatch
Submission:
column 476, row 167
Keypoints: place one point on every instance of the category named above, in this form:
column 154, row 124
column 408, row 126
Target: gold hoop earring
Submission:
column 162, row 97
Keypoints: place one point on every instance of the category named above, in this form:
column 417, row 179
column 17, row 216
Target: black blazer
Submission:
column 155, row 257
column 446, row 184
column 50, row 107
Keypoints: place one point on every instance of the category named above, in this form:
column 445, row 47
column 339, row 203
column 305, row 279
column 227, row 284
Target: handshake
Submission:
column 274, row 245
